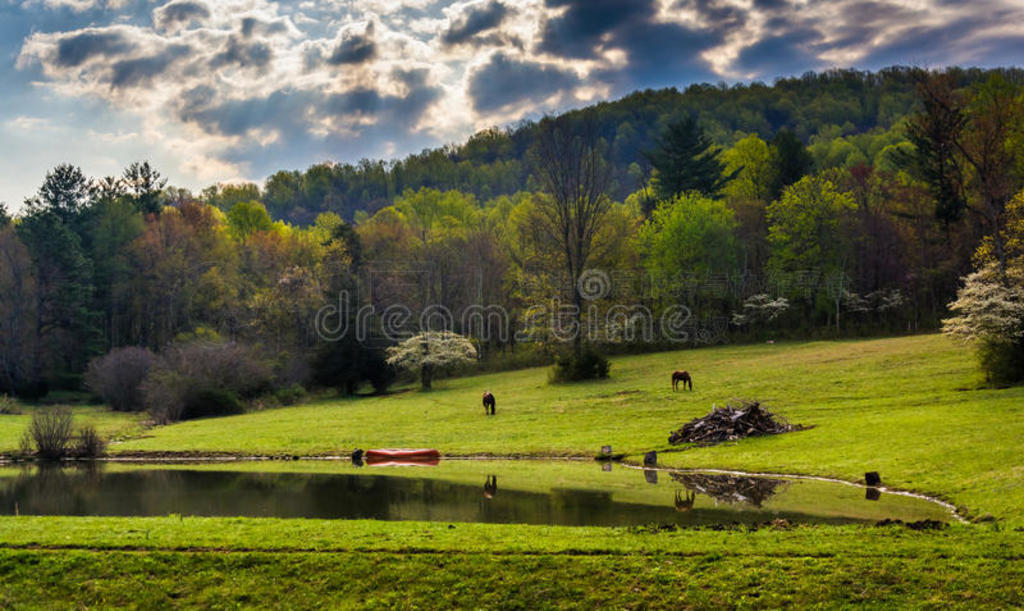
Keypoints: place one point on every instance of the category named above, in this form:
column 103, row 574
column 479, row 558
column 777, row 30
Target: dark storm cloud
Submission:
column 245, row 55
column 664, row 55
column 74, row 50
column 132, row 72
column 579, row 30
column 354, row 49
column 657, row 54
column 504, row 81
column 400, row 110
column 476, row 20
column 181, row 11
column 788, row 53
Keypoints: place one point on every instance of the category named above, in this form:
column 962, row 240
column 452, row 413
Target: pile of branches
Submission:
column 729, row 423
column 730, row 488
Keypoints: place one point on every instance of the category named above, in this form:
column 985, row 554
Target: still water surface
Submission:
column 530, row 492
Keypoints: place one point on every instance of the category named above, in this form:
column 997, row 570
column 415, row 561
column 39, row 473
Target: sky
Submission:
column 237, row 89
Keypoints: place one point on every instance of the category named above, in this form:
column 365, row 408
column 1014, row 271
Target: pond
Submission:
column 571, row 493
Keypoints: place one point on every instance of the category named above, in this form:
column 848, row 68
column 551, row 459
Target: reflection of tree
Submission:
column 730, row 488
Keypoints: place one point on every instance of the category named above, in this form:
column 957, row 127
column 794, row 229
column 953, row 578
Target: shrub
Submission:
column 1002, row 361
column 346, row 364
column 208, row 402
column 118, row 376
column 51, row 432
column 32, row 391
column 201, row 379
column 88, row 443
column 290, row 395
column 225, row 365
column 587, row 366
column 165, row 392
column 8, row 406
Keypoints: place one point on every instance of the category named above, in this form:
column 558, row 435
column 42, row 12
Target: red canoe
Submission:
column 402, row 457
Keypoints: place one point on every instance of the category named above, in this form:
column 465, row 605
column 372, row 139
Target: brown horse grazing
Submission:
column 488, row 403
column 681, row 376
column 687, row 503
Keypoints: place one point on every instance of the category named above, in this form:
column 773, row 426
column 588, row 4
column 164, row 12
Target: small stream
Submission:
column 569, row 493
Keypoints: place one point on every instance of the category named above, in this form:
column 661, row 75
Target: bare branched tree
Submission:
column 569, row 162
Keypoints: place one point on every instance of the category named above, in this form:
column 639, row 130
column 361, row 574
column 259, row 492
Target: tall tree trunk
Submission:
column 426, row 375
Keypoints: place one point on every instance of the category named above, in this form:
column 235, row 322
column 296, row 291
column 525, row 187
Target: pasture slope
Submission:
column 912, row 408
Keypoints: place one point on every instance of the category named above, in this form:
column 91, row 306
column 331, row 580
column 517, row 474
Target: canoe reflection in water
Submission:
column 728, row 488
column 491, row 486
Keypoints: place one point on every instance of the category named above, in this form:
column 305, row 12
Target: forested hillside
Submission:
column 845, row 116
column 826, row 205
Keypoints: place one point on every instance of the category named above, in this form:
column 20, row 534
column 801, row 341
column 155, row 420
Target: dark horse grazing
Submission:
column 681, row 376
column 488, row 403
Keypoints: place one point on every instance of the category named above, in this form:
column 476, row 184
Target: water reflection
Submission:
column 731, row 488
column 685, row 504
column 534, row 493
column 491, row 486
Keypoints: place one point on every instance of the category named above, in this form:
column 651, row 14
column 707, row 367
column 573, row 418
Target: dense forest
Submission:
column 836, row 203
column 845, row 116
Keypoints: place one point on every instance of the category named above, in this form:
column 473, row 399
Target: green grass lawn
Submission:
column 910, row 408
column 156, row 562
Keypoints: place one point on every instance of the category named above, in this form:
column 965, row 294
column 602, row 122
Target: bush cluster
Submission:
column 8, row 406
column 589, row 365
column 1002, row 361
column 117, row 377
column 51, row 436
column 201, row 379
column 201, row 375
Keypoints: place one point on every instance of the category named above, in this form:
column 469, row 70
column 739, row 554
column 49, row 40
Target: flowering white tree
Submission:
column 759, row 309
column 987, row 309
column 431, row 351
column 990, row 314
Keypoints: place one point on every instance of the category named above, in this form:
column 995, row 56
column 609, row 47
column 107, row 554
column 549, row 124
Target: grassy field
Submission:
column 910, row 408
column 155, row 562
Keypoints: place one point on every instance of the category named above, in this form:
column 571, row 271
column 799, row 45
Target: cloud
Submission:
column 790, row 53
column 142, row 70
column 587, row 25
column 354, row 48
column 245, row 55
column 222, row 81
column 478, row 18
column 504, row 81
column 180, row 12
column 29, row 124
column 78, row 48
